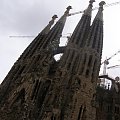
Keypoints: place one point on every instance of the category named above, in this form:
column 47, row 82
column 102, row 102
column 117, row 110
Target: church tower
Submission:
column 40, row 88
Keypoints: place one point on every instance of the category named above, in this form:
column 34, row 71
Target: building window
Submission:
column 109, row 108
column 87, row 73
column 116, row 109
column 83, row 63
column 90, row 61
column 80, row 112
column 74, row 68
column 94, row 71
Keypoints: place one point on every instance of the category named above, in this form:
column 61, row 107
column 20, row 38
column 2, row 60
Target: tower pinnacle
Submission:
column 57, row 29
column 66, row 13
column 91, row 1
column 68, row 9
column 89, row 9
column 47, row 28
column 100, row 14
column 80, row 33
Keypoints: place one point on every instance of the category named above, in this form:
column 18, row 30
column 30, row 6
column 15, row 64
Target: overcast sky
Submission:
column 29, row 17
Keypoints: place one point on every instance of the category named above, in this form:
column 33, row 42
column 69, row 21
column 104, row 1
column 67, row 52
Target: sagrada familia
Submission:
column 40, row 88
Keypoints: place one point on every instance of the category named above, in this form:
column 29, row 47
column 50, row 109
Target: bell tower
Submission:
column 79, row 67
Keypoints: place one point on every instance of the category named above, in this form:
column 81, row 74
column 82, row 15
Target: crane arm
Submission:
column 107, row 5
column 105, row 61
column 113, row 66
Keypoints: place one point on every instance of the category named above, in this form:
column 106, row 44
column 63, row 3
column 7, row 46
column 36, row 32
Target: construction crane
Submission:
column 114, row 66
column 22, row 36
column 107, row 5
column 33, row 36
column 71, row 14
column 105, row 63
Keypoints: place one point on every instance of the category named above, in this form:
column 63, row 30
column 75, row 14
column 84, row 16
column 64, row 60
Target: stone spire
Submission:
column 56, row 31
column 26, row 54
column 66, row 13
column 77, row 39
column 89, row 9
column 100, row 13
column 29, row 51
column 81, row 59
column 47, row 28
column 95, row 37
column 80, row 33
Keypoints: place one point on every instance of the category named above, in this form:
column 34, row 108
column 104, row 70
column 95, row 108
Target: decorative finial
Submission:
column 54, row 17
column 47, row 28
column 100, row 14
column 68, row 9
column 102, row 3
column 89, row 9
column 91, row 1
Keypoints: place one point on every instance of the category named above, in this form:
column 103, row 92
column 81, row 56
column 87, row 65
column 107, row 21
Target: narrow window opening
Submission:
column 89, row 40
column 90, row 61
column 65, row 56
column 95, row 38
column 98, row 48
column 116, row 110
column 79, row 81
column 69, row 64
column 109, row 108
column 75, row 65
column 94, row 68
column 37, row 90
column 34, row 90
column 83, row 64
column 80, row 113
column 100, row 44
column 87, row 73
column 70, row 60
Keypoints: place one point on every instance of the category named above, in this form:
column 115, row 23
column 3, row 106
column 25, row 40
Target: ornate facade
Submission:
column 40, row 88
